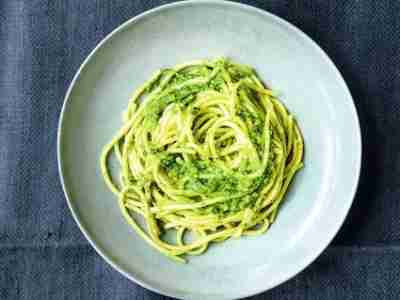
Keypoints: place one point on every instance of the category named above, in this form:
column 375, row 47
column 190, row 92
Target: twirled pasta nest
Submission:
column 204, row 148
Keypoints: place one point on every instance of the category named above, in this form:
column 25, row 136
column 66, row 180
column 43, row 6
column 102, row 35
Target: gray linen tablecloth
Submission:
column 43, row 255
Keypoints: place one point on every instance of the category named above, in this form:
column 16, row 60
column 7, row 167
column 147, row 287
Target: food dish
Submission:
column 308, row 83
column 205, row 149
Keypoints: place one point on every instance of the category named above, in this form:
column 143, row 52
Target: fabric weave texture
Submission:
column 43, row 255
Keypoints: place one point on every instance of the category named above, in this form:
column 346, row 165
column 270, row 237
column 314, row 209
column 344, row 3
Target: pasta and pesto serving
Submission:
column 206, row 152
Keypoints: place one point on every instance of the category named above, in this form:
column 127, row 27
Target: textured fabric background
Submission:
column 43, row 255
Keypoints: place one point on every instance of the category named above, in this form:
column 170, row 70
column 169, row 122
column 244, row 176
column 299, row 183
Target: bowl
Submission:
column 288, row 61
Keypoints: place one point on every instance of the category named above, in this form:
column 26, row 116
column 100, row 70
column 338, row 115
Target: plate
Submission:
column 290, row 62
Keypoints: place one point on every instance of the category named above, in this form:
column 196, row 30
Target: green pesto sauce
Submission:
column 208, row 177
column 186, row 95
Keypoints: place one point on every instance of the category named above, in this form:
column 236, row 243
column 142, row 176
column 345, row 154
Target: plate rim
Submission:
column 305, row 262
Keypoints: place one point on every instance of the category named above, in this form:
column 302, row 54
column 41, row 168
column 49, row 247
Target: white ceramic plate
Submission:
column 288, row 61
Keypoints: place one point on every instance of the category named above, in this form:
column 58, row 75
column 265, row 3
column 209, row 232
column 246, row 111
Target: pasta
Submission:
column 205, row 152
